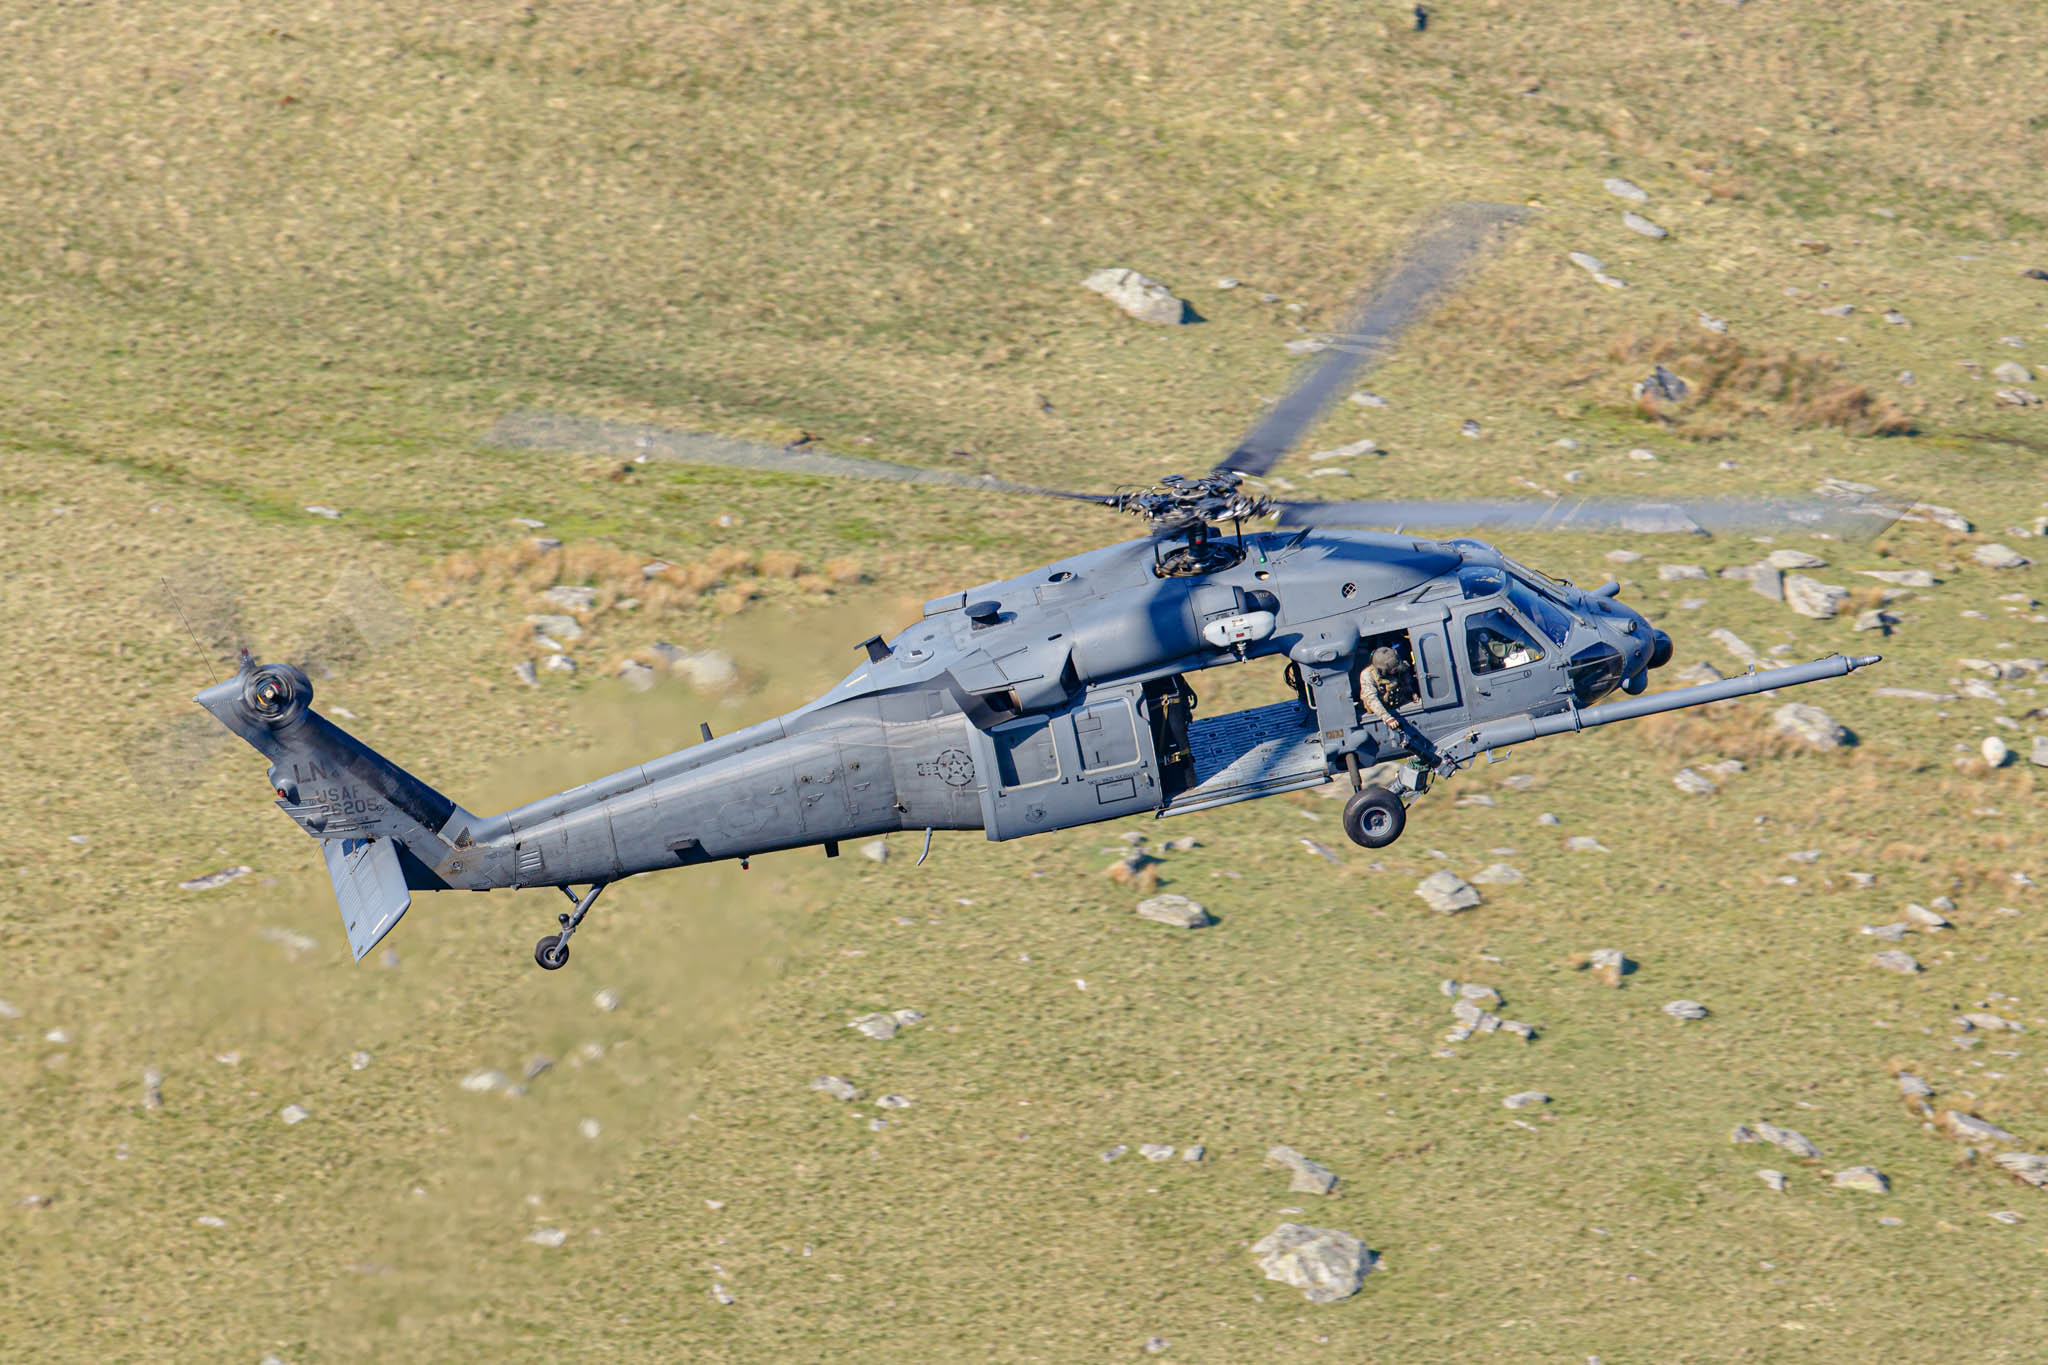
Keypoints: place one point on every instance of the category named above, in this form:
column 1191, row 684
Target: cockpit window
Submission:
column 1496, row 641
column 1481, row 580
column 1538, row 607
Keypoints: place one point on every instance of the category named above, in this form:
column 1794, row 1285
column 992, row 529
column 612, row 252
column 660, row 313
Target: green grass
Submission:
column 252, row 262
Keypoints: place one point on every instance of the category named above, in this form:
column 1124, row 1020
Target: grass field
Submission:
column 253, row 260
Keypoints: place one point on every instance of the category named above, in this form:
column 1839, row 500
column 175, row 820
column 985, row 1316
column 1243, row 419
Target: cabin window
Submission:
column 1025, row 753
column 1496, row 642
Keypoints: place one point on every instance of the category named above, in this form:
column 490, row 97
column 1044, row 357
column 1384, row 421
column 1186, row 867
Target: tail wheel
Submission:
column 551, row 953
column 1374, row 817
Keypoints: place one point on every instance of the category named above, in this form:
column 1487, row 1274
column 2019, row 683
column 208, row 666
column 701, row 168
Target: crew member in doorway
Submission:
column 1383, row 685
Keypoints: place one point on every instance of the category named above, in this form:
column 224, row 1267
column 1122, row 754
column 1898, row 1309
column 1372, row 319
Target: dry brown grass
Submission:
column 1733, row 380
column 1742, row 732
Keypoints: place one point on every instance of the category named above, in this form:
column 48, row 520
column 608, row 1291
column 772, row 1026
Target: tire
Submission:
column 551, row 953
column 1374, row 818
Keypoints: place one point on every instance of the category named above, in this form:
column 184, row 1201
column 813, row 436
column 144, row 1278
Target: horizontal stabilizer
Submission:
column 370, row 885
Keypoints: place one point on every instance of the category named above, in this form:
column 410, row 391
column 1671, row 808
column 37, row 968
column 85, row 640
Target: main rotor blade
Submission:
column 1430, row 265
column 1843, row 520
column 637, row 440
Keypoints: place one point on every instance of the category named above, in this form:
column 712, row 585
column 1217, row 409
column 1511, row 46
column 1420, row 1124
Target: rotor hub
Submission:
column 1177, row 502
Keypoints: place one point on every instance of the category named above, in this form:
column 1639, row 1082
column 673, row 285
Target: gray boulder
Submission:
column 1141, row 296
column 1446, row 892
column 1866, row 1178
column 1809, row 725
column 1811, row 597
column 1325, row 1264
column 1626, row 189
column 1178, row 911
column 1893, row 960
column 2031, row 1167
column 1791, row 1139
column 1970, row 1128
column 1636, row 223
column 1309, row 1177
column 1996, row 556
column 1686, row 1009
column 2012, row 372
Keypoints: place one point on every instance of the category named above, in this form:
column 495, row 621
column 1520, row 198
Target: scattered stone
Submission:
column 1368, row 400
column 1153, row 1151
column 1113, row 1153
column 1996, row 751
column 2031, row 1167
column 1345, row 452
column 1894, row 317
column 1692, row 675
column 1141, row 296
column 1154, row 1345
column 1838, row 310
column 2016, row 398
column 1483, row 996
column 1714, row 324
column 1876, row 619
column 1660, row 385
column 1625, row 189
column 1592, row 265
column 1325, row 1264
column 1523, row 1099
column 2006, row 1216
column 1742, row 1133
column 1811, row 597
column 152, row 1088
column 294, row 1113
column 1309, row 1177
column 607, row 1000
column 214, row 879
column 1995, row 556
column 1989, row 1023
column 1970, row 1128
column 1496, row 874
column 893, row 1102
column 1866, row 1178
column 1912, row 694
column 1674, row 573
column 1194, row 1153
column 637, row 677
column 1790, row 1139
column 720, row 1295
column 1692, row 783
column 559, row 663
column 1892, row 960
column 555, row 626
column 880, row 1027
column 1794, row 559
column 1446, row 892
column 1469, row 427
column 570, row 597
column 319, row 511
column 486, row 1080
column 526, row 673
column 1636, row 223
column 875, row 850
column 1610, row 965
column 547, row 1237
column 1323, row 851
column 1229, row 282
column 1546, row 818
column 1913, row 1088
column 1810, row 725
column 1521, row 1030
column 1177, row 911
column 1584, row 843
column 1888, row 933
column 2038, row 755
column 2012, row 372
column 1686, row 1009
column 1775, row 1179
column 837, row 1087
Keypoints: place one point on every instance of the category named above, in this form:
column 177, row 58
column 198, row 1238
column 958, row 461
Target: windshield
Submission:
column 1538, row 607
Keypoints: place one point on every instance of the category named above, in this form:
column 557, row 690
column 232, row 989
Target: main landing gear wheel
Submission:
column 1374, row 817
column 551, row 952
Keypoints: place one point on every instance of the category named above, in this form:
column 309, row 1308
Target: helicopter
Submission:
column 1062, row 697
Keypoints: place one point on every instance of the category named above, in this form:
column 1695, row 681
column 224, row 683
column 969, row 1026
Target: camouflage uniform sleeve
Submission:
column 1369, row 696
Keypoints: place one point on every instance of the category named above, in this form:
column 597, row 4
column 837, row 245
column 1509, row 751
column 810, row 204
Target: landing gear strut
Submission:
column 552, row 952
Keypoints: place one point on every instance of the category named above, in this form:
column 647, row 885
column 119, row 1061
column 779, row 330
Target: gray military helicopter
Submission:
column 1062, row 696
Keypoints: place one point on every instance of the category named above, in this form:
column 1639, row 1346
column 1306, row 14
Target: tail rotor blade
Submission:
column 1433, row 263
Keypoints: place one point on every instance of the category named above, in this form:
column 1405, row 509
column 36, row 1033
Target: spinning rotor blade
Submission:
column 1843, row 520
column 1432, row 263
column 636, row 440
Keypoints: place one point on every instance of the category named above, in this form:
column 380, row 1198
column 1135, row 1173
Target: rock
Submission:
column 2016, row 398
column 1584, row 843
column 1483, row 996
column 1347, row 452
column 1766, row 581
column 1990, row 1023
column 1945, row 517
column 2031, row 1167
column 1590, row 264
column 1742, row 1133
column 1660, row 385
column 893, row 1102
column 1521, row 1030
column 1995, row 556
column 875, row 850
column 705, row 669
column 1469, row 427
column 1141, row 296
column 1713, row 324
column 1876, row 619
column 1686, row 1009
column 1794, row 559
column 294, row 1113
column 637, row 677
column 837, row 1087
column 1970, row 1128
column 1309, row 1177
column 1113, row 1153
column 1912, row 1087
column 1996, row 751
column 880, row 1027
column 1153, row 1151
column 1636, row 223
column 1790, row 1139
column 570, row 597
column 1624, row 189
column 1446, row 892
column 1323, row 851
column 152, row 1088
column 720, row 1295
column 554, row 625
column 1692, row 783
column 1866, row 1178
column 1892, row 960
column 1838, row 310
column 1912, row 694
column 1810, row 725
column 1692, row 675
column 524, row 671
column 1327, row 1265
column 1675, row 573
column 486, row 1080
column 2038, row 755
column 547, row 1237
column 2012, row 372
column 2007, row 1216
column 559, row 663
column 1178, row 911
column 319, row 511
column 1229, row 282
column 1775, row 1179
column 607, row 1000
column 1496, row 874
column 1154, row 1345
column 214, row 879
column 1523, row 1099
column 1811, row 597
column 1368, row 400
column 1610, row 965
column 1894, row 317
column 1889, row 933
column 1194, row 1153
